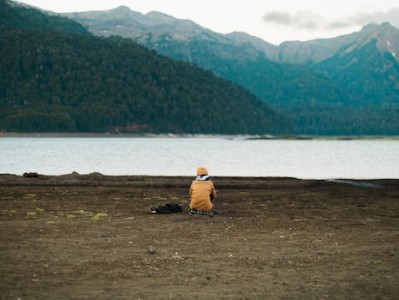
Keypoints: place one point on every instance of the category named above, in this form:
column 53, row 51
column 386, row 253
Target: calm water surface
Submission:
column 315, row 159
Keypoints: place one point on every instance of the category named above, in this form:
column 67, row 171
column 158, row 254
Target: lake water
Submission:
column 306, row 159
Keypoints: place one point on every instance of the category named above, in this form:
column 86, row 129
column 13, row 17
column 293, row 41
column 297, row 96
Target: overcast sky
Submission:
column 273, row 21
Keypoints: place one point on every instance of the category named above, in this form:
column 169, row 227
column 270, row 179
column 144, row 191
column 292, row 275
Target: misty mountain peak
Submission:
column 242, row 38
column 122, row 9
column 152, row 28
column 386, row 36
column 160, row 18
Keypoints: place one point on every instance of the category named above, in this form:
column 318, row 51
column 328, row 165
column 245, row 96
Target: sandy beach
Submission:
column 94, row 237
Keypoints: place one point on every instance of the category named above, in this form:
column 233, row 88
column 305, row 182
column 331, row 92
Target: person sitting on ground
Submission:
column 202, row 192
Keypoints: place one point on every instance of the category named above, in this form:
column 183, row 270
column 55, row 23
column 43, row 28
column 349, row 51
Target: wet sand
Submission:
column 94, row 237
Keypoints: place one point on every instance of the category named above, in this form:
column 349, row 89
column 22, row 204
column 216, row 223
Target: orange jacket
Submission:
column 201, row 193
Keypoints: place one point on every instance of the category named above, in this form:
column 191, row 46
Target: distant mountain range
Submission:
column 55, row 76
column 343, row 85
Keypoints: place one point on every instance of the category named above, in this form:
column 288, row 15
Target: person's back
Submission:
column 202, row 191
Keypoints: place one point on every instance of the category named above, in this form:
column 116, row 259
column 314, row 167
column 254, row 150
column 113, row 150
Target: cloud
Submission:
column 300, row 19
column 310, row 21
column 391, row 16
column 279, row 17
column 338, row 25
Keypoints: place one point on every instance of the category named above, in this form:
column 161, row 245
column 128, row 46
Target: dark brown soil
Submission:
column 94, row 237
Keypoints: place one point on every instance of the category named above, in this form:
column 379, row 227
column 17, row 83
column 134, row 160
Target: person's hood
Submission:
column 202, row 171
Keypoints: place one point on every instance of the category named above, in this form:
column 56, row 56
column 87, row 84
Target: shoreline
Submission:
column 33, row 178
column 39, row 177
column 172, row 135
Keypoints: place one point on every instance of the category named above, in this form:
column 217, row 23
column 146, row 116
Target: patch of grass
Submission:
column 31, row 215
column 83, row 212
column 159, row 197
column 78, row 213
column 9, row 212
column 370, row 220
column 99, row 216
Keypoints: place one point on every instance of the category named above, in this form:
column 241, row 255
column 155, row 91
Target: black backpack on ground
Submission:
column 166, row 209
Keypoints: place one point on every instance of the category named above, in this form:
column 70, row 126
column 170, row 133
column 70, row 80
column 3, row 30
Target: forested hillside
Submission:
column 54, row 76
column 14, row 17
